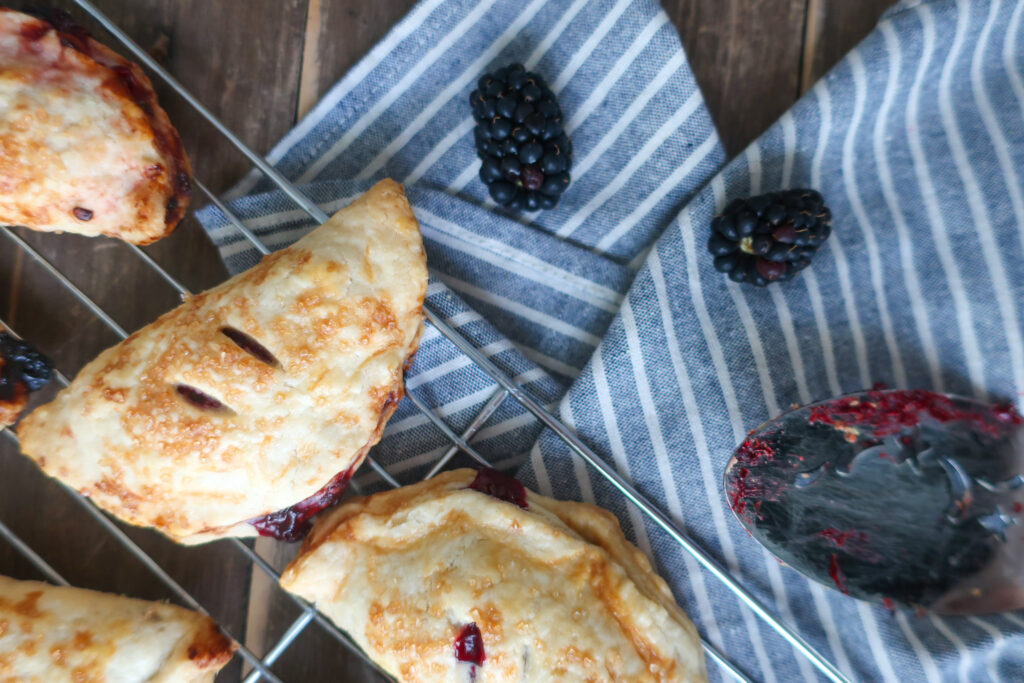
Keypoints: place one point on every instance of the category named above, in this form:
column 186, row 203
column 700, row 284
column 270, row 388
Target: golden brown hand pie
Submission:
column 230, row 415
column 84, row 145
column 469, row 576
column 56, row 634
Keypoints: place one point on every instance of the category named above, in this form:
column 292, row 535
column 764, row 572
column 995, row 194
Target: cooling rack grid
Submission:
column 260, row 666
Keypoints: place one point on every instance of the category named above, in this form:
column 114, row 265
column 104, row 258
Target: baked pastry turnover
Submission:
column 84, row 145
column 56, row 634
column 245, row 409
column 469, row 576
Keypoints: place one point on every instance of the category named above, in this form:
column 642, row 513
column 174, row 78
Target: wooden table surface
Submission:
column 260, row 65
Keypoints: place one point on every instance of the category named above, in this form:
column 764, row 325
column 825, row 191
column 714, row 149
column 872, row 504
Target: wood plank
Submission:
column 242, row 60
column 746, row 57
column 833, row 28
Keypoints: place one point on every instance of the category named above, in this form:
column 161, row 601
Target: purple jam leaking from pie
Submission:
column 198, row 398
column 469, row 645
column 292, row 524
column 249, row 345
column 501, row 486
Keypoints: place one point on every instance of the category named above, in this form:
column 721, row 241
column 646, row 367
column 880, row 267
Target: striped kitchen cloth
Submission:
column 914, row 139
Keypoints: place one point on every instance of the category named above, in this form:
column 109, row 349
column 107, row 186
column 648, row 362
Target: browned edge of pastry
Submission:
column 129, row 80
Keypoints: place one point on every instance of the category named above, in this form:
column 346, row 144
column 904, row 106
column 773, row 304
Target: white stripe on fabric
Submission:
column 578, row 466
column 540, row 471
column 555, row 33
column 368, row 117
column 809, row 278
column 522, row 310
column 1002, row 145
column 824, row 98
column 657, row 437
column 965, row 322
column 509, row 258
column 992, row 656
column 860, row 213
column 927, row 663
column 460, row 131
column 548, row 362
column 696, row 425
column 670, row 183
column 642, row 156
column 878, row 648
column 453, row 90
column 633, row 111
column 586, row 50
column 975, row 196
column 629, row 57
column 693, row 571
column 919, row 308
column 1010, row 56
column 964, row 656
column 728, row 395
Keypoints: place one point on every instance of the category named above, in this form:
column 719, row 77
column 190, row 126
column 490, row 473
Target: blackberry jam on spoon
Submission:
column 908, row 498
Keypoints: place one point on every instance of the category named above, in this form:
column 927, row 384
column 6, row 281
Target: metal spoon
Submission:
column 908, row 498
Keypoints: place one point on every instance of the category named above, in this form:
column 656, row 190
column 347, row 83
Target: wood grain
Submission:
column 259, row 65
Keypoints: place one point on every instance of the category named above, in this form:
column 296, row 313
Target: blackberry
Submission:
column 526, row 155
column 20, row 363
column 770, row 237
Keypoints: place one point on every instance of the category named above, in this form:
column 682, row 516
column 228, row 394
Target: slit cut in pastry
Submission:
column 66, row 635
column 84, row 145
column 244, row 410
column 469, row 576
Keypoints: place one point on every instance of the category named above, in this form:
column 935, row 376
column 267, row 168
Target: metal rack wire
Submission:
column 505, row 388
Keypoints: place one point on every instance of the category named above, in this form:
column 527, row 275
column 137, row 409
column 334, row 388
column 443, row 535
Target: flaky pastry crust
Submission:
column 84, row 145
column 556, row 590
column 51, row 634
column 250, row 397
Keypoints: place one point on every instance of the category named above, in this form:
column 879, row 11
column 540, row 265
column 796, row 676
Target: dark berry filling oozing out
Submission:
column 770, row 237
column 469, row 645
column 292, row 524
column 501, row 486
column 526, row 155
column 21, row 363
column 197, row 398
column 249, row 345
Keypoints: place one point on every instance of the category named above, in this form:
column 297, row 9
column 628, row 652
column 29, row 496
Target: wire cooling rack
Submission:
column 505, row 389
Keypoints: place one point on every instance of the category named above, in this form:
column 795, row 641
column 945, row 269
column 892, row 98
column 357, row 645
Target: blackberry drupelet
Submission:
column 20, row 363
column 770, row 237
column 525, row 152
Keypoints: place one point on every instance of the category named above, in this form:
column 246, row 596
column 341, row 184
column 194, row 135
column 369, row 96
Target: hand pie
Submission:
column 66, row 635
column 22, row 371
column 84, row 145
column 469, row 576
column 245, row 409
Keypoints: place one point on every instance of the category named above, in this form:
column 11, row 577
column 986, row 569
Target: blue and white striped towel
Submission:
column 915, row 139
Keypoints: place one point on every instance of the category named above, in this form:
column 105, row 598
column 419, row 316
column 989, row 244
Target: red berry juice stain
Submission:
column 883, row 413
column 833, row 571
column 292, row 524
column 887, row 603
column 841, row 537
column 1018, row 508
column 500, row 486
column 742, row 487
column 469, row 645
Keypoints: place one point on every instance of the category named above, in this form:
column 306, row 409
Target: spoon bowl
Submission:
column 904, row 497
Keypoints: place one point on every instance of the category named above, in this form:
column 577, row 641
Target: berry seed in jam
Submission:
column 469, row 645
column 500, row 486
column 292, row 524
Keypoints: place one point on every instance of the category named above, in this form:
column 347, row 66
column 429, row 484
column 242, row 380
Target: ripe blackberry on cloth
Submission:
column 770, row 237
column 525, row 152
